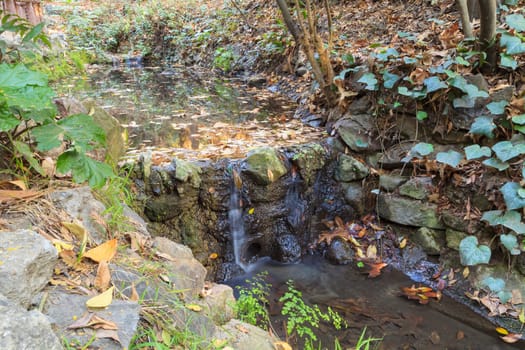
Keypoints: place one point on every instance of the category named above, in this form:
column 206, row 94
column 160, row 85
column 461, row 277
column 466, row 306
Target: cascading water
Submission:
column 293, row 202
column 235, row 219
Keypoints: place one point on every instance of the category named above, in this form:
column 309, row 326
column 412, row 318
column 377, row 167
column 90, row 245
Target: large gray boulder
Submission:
column 350, row 169
column 21, row 329
column 244, row 336
column 26, row 264
column 64, row 308
column 408, row 212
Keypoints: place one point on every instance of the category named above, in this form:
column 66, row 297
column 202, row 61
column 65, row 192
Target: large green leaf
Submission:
column 451, row 158
column 506, row 150
column 483, row 126
column 32, row 102
column 511, row 243
column 519, row 119
column 82, row 131
column 508, row 61
column 48, row 136
column 511, row 196
column 7, row 120
column 471, row 253
column 476, row 151
column 19, row 76
column 390, row 79
column 403, row 90
column 496, row 163
column 513, row 44
column 84, row 168
column 462, row 84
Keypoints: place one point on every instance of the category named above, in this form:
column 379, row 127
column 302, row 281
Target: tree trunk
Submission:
column 465, row 19
column 488, row 32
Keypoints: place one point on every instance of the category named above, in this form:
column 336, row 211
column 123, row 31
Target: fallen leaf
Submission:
column 281, row 345
column 403, row 243
column 103, row 277
column 242, row 328
column 502, row 331
column 375, row 269
column 511, row 338
column 460, row 335
column 194, row 307
column 102, row 300
column 106, row 333
column 251, row 211
column 104, row 252
column 76, row 229
column 134, row 295
column 466, row 272
column 91, row 320
column 213, row 256
column 371, row 252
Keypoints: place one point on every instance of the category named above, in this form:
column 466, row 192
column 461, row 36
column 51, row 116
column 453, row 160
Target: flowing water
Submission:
column 236, row 222
column 378, row 305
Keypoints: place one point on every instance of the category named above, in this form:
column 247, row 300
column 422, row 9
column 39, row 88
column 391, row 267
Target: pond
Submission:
column 190, row 113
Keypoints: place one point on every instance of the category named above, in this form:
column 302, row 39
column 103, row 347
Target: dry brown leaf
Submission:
column 281, row 345
column 104, row 252
column 91, row 320
column 77, row 229
column 134, row 295
column 107, row 333
column 375, row 269
column 103, row 277
column 11, row 195
column 511, row 338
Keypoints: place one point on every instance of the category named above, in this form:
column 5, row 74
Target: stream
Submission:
column 191, row 115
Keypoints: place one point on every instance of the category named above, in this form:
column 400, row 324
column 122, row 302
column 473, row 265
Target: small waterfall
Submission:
column 296, row 207
column 235, row 219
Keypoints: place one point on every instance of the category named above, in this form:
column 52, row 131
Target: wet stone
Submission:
column 340, row 252
column 408, row 212
column 432, row 241
column 350, row 169
column 417, row 188
column 265, row 165
column 454, row 237
column 288, row 249
column 390, row 183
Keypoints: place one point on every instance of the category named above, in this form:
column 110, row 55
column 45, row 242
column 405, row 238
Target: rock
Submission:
column 355, row 131
column 244, row 336
column 355, row 196
column 350, row 169
column 63, row 309
column 79, row 203
column 454, row 237
column 455, row 222
column 309, row 159
column 162, row 208
column 26, row 264
column 288, row 249
column 408, row 211
column 175, row 250
column 187, row 172
column 21, row 329
column 432, row 241
column 340, row 252
column 416, row 188
column 256, row 80
column 186, row 275
column 390, row 182
column 300, row 71
column 265, row 165
column 115, row 143
column 218, row 303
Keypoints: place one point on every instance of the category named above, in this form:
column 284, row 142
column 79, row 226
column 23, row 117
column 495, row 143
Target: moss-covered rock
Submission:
column 432, row 241
column 265, row 165
column 309, row 159
column 350, row 169
column 409, row 212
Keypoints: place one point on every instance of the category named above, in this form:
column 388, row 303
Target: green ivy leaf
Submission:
column 504, row 296
column 511, row 197
column 519, row 119
column 512, row 220
column 383, row 55
column 497, row 107
column 506, row 150
column 390, row 79
column 421, row 115
column 471, row 253
column 370, row 80
column 513, row 44
column 471, row 90
column 461, row 61
column 423, row 149
column 492, row 217
column 403, row 90
column 451, row 158
column 508, row 61
column 7, row 120
column 483, row 126
column 511, row 243
column 496, row 163
column 494, row 284
column 84, row 168
column 434, row 84
column 516, row 21
column 477, row 151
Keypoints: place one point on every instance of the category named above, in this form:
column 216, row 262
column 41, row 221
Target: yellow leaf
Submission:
column 166, row 337
column 102, row 300
column 466, row 272
column 61, row 245
column 103, row 252
column 270, row 175
column 213, row 256
column 502, row 331
column 521, row 317
column 134, row 295
column 371, row 251
column 194, row 307
column 359, row 253
column 281, row 345
column 251, row 211
column 403, row 243
column 77, row 229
